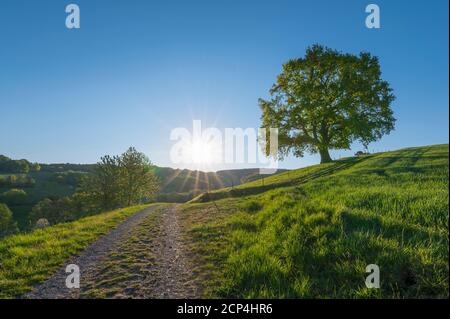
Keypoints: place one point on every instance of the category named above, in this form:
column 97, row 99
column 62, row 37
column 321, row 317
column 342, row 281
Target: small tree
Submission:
column 7, row 224
column 137, row 180
column 327, row 100
column 103, row 182
column 119, row 181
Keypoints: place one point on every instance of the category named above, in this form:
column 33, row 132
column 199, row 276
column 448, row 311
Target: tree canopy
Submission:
column 124, row 180
column 8, row 165
column 327, row 100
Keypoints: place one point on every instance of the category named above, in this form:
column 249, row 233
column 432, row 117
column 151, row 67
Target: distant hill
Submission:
column 40, row 181
column 182, row 181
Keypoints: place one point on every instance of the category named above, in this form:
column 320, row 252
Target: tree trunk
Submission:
column 324, row 156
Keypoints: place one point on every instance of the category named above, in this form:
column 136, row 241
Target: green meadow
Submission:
column 310, row 233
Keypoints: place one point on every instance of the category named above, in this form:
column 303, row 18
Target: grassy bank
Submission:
column 28, row 259
column 314, row 237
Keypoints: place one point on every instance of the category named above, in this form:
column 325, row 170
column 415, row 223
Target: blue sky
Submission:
column 137, row 69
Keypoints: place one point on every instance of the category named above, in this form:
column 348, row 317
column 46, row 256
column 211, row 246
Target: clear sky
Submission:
column 137, row 69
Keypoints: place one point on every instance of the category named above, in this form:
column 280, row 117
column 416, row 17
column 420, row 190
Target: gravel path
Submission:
column 142, row 258
column 173, row 278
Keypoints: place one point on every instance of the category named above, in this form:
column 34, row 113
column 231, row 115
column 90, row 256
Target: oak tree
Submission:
column 327, row 100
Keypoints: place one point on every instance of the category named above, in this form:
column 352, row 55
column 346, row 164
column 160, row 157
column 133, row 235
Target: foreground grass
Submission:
column 28, row 259
column 315, row 239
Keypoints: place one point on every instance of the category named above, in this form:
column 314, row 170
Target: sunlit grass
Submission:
column 314, row 239
column 28, row 259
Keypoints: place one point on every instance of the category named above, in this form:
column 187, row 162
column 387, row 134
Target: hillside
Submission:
column 184, row 181
column 311, row 232
column 51, row 181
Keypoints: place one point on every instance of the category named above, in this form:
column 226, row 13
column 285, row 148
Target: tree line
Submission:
column 23, row 166
column 114, row 182
column 16, row 181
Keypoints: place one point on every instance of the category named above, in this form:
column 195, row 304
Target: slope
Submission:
column 312, row 232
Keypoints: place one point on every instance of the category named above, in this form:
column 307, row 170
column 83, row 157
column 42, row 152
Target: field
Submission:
column 312, row 235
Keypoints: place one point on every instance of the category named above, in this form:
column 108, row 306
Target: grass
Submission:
column 27, row 259
column 277, row 180
column 313, row 237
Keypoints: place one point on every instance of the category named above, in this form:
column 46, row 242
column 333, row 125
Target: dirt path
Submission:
column 141, row 258
column 173, row 277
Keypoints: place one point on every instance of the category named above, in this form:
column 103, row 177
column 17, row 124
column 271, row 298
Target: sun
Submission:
column 204, row 152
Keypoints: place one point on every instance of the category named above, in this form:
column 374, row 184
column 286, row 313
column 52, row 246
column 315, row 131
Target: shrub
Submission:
column 7, row 224
column 16, row 181
column 15, row 166
column 54, row 211
column 69, row 178
column 14, row 197
column 41, row 223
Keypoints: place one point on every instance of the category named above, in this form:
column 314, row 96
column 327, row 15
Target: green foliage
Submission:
column 315, row 238
column 14, row 166
column 35, row 167
column 119, row 181
column 14, row 197
column 7, row 224
column 4, row 158
column 136, row 178
column 116, row 181
column 13, row 181
column 38, row 186
column 71, row 178
column 67, row 167
column 103, row 183
column 55, row 211
column 327, row 100
column 64, row 209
